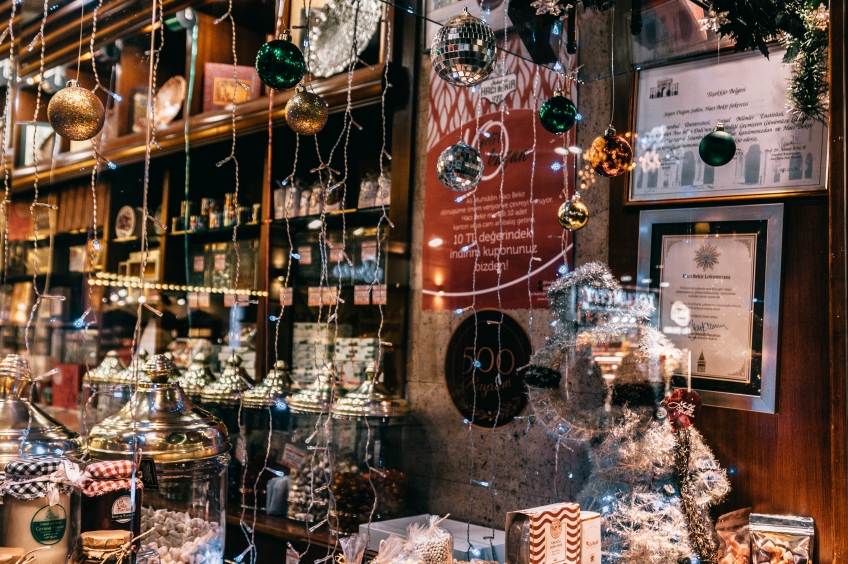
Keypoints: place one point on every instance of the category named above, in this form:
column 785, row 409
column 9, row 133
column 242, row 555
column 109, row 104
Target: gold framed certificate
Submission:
column 717, row 273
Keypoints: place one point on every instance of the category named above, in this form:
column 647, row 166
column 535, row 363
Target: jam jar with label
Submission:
column 107, row 498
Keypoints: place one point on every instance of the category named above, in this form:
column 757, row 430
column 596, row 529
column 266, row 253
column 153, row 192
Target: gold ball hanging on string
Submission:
column 306, row 112
column 611, row 154
column 573, row 214
column 76, row 113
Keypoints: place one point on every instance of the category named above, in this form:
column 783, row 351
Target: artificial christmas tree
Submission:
column 603, row 379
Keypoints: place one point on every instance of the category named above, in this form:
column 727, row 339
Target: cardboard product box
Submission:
column 590, row 537
column 482, row 547
column 554, row 534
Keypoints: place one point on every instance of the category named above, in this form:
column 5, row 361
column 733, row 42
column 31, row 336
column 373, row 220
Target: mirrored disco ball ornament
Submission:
column 573, row 214
column 460, row 167
column 280, row 64
column 463, row 51
column 611, row 154
column 76, row 113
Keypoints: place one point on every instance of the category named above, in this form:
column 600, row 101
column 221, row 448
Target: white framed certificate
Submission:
column 717, row 271
column 675, row 106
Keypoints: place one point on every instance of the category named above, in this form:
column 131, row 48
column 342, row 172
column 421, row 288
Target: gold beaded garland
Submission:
column 76, row 113
column 306, row 113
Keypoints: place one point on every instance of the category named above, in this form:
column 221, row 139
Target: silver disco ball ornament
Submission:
column 460, row 167
column 464, row 50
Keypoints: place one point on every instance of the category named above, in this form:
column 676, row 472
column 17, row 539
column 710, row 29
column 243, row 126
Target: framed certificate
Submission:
column 675, row 106
column 717, row 271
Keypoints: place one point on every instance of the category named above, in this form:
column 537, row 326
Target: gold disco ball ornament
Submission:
column 306, row 113
column 463, row 51
column 573, row 214
column 76, row 113
column 611, row 154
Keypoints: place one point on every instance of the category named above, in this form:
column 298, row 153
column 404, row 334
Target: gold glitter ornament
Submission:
column 573, row 214
column 306, row 113
column 76, row 113
column 611, row 154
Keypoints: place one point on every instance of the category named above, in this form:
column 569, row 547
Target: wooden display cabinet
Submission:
column 122, row 54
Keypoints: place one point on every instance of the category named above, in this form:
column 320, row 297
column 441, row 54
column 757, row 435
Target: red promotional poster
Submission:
column 500, row 245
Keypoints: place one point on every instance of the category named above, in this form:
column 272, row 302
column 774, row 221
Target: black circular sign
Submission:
column 484, row 376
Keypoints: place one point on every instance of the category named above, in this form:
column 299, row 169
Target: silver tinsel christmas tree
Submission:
column 601, row 380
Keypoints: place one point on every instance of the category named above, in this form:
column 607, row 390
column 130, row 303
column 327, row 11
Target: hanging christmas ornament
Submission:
column 558, row 114
column 464, row 50
column 76, row 113
column 717, row 148
column 280, row 63
column 573, row 214
column 683, row 407
column 306, row 112
column 460, row 167
column 611, row 154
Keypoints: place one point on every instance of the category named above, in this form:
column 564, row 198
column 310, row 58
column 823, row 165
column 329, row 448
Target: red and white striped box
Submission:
column 554, row 534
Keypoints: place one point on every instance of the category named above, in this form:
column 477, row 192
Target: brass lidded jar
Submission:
column 188, row 448
column 266, row 407
column 222, row 397
column 122, row 383
column 96, row 383
column 311, row 468
column 197, row 377
column 368, row 424
column 19, row 418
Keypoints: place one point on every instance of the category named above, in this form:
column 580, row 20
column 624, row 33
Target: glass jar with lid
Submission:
column 306, row 452
column 122, row 384
column 25, row 430
column 368, row 459
column 32, row 445
column 196, row 378
column 222, row 398
column 184, row 499
column 265, row 416
column 96, row 385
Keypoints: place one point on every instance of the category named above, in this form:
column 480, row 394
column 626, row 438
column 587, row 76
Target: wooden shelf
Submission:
column 206, row 128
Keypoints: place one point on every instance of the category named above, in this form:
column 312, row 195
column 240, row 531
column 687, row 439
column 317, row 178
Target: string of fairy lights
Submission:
column 77, row 114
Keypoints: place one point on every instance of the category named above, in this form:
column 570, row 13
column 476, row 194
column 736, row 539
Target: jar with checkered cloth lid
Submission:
column 25, row 430
column 108, row 501
column 39, row 511
column 184, row 456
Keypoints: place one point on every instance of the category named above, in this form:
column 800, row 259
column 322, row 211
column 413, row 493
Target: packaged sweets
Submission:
column 353, row 548
column 734, row 538
column 781, row 539
column 389, row 549
column 431, row 542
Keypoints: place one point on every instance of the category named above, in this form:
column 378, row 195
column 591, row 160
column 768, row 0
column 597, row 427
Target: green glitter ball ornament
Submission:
column 718, row 147
column 558, row 114
column 280, row 63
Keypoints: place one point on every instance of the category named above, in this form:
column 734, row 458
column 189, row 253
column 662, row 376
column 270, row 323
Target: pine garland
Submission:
column 807, row 53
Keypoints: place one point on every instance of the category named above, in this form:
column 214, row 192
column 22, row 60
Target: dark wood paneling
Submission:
column 838, row 395
column 796, row 461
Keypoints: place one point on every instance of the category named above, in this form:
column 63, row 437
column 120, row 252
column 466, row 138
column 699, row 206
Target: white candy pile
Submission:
column 179, row 538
